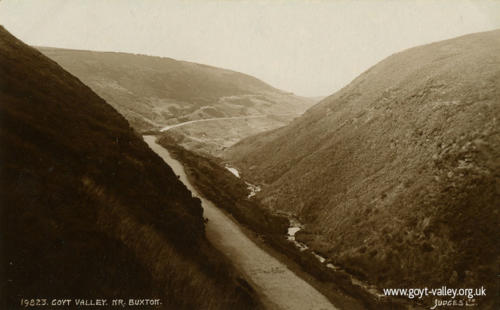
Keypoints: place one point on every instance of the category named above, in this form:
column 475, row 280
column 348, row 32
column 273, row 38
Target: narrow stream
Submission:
column 294, row 227
column 278, row 286
column 252, row 189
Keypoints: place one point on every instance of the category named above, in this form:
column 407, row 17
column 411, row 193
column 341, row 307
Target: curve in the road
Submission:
column 222, row 118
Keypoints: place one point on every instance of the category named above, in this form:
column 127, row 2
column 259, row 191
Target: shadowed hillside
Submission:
column 152, row 92
column 87, row 209
column 397, row 176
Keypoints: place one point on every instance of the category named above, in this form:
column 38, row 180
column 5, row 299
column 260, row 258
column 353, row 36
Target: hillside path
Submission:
column 166, row 128
column 277, row 285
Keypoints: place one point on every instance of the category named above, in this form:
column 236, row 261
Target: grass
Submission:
column 230, row 193
column 87, row 209
column 396, row 175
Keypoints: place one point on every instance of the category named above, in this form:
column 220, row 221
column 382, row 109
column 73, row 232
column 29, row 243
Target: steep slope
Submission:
column 87, row 209
column 152, row 92
column 397, row 176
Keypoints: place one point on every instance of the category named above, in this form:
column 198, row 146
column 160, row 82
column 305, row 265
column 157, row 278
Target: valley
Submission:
column 274, row 232
column 130, row 170
column 357, row 176
column 278, row 286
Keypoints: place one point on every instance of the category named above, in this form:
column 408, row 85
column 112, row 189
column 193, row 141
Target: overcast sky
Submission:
column 311, row 48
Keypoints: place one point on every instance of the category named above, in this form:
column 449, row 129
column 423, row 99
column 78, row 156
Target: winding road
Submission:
column 223, row 118
column 277, row 285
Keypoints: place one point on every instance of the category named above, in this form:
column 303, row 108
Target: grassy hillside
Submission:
column 397, row 176
column 228, row 192
column 152, row 92
column 87, row 209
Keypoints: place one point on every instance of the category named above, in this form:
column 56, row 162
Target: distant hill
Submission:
column 87, row 209
column 397, row 175
column 152, row 92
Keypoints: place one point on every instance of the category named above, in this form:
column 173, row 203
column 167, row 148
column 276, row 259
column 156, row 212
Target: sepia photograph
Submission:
column 238, row 154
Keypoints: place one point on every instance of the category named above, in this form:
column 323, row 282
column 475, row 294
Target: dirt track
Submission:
column 166, row 128
column 279, row 287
